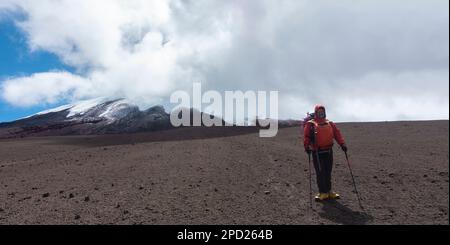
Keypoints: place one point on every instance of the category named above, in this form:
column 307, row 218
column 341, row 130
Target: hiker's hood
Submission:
column 316, row 108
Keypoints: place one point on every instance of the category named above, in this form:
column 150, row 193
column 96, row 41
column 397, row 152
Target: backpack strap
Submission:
column 312, row 131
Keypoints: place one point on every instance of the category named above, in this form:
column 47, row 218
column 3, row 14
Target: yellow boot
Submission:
column 321, row 197
column 333, row 195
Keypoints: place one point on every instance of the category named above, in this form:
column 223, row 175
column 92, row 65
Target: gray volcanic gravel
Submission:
column 224, row 175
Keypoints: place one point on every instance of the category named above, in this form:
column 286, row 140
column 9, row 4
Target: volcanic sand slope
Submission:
column 194, row 176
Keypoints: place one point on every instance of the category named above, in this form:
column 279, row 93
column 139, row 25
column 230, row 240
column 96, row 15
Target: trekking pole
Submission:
column 353, row 179
column 310, row 188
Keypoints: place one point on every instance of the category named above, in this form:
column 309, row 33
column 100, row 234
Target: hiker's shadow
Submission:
column 334, row 211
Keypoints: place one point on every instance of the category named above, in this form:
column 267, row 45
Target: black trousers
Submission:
column 323, row 168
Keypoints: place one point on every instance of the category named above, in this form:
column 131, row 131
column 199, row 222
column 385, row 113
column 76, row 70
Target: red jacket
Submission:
column 307, row 141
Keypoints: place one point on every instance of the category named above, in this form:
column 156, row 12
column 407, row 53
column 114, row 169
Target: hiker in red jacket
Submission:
column 319, row 134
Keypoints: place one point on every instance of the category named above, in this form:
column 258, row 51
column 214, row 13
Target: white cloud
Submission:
column 44, row 88
column 122, row 48
column 380, row 96
column 346, row 54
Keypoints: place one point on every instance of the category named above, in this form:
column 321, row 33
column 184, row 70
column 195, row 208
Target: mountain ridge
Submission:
column 97, row 116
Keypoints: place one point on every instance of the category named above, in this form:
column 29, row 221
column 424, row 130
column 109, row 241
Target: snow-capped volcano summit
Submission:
column 77, row 108
column 99, row 107
column 95, row 116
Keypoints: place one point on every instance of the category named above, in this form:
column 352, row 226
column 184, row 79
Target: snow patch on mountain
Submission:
column 118, row 109
column 57, row 109
column 80, row 108
column 75, row 109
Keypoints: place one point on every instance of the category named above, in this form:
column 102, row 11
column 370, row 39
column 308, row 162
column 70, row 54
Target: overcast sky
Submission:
column 365, row 60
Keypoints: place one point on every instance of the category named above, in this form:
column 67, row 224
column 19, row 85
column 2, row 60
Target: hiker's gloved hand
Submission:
column 344, row 148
